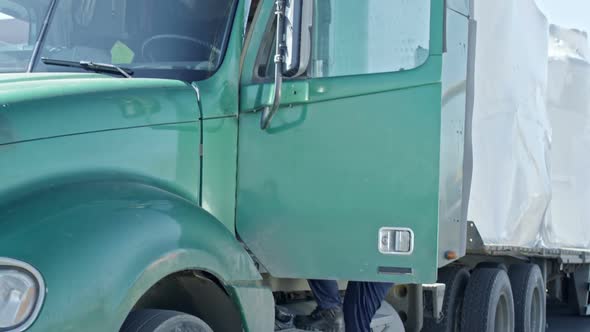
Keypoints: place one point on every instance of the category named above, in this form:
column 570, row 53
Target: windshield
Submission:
column 20, row 24
column 178, row 39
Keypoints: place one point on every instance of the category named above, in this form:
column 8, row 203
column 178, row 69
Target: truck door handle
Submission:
column 255, row 98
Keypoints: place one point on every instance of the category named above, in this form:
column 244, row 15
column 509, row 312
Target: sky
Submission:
column 567, row 13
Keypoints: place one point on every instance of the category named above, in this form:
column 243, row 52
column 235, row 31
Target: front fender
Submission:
column 101, row 245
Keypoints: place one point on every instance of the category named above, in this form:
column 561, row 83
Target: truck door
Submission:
column 344, row 183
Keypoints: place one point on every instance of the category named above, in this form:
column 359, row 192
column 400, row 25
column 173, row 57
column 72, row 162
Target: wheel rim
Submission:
column 536, row 311
column 502, row 319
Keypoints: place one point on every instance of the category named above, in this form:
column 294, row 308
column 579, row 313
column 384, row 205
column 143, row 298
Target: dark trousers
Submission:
column 361, row 301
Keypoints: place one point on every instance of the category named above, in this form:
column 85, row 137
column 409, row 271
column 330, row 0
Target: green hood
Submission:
column 40, row 106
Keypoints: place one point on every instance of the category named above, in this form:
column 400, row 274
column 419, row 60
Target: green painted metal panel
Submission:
column 152, row 134
column 257, row 306
column 219, row 106
column 220, row 92
column 314, row 189
column 101, row 244
column 254, row 96
column 46, row 105
column 344, row 157
column 101, row 181
column 114, row 165
column 220, row 137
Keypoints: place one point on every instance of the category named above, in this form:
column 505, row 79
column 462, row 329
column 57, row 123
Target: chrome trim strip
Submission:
column 12, row 263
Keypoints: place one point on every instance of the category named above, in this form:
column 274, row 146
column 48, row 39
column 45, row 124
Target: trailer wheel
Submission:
column 488, row 305
column 455, row 278
column 152, row 320
column 492, row 265
column 529, row 297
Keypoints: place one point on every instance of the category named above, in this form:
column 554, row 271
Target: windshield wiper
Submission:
column 90, row 66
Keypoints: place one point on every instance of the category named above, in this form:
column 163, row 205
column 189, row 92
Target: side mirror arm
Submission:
column 269, row 111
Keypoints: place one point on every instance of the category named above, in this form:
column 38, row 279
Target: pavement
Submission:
column 384, row 321
column 560, row 320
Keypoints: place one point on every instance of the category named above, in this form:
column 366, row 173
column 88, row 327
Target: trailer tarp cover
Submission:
column 531, row 130
column 511, row 187
column 568, row 104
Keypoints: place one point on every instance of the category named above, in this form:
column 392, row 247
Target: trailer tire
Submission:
column 152, row 320
column 455, row 279
column 488, row 305
column 492, row 265
column 529, row 297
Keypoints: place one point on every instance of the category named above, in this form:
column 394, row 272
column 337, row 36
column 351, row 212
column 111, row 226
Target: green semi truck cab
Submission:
column 199, row 155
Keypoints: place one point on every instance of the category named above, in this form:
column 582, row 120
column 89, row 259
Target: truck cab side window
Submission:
column 387, row 36
column 265, row 60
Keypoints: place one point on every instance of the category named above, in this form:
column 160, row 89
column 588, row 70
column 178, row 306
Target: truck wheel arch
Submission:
column 102, row 245
column 196, row 293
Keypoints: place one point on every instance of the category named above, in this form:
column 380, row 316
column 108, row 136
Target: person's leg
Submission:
column 361, row 302
column 327, row 316
column 326, row 293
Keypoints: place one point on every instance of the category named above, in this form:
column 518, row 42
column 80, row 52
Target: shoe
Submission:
column 283, row 319
column 324, row 320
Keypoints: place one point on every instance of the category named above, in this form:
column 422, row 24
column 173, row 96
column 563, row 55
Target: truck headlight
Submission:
column 21, row 295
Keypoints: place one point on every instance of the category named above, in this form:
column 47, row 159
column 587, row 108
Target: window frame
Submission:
column 266, row 50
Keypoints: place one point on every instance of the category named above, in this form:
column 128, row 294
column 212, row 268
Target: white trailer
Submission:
column 528, row 238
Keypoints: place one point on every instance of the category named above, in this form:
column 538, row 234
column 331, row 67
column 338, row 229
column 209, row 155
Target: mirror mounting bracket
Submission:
column 268, row 112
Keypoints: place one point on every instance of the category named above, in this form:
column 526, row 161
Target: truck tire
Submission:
column 455, row 278
column 153, row 320
column 492, row 265
column 488, row 305
column 529, row 297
